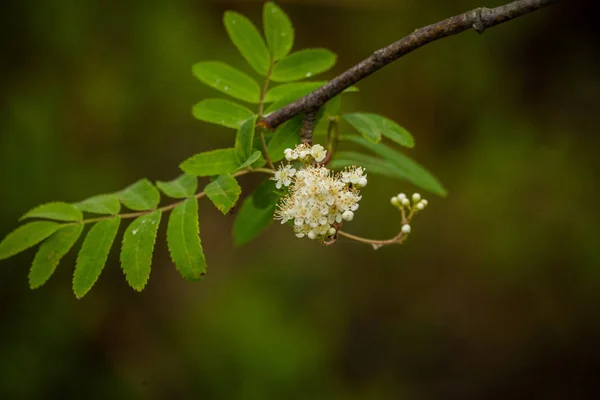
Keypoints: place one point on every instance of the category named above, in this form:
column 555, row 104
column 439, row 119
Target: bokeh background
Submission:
column 495, row 295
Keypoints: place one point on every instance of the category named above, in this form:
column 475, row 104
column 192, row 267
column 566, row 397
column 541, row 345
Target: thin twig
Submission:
column 479, row 19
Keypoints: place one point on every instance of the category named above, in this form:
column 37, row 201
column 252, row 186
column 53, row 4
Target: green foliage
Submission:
column 26, row 236
column 210, row 163
column 57, row 211
column 228, row 80
column 248, row 41
column 271, row 59
column 50, row 253
column 303, row 64
column 101, row 204
column 254, row 216
column 179, row 188
column 93, row 255
column 373, row 126
column 140, row 196
column 278, row 31
column 244, row 139
column 400, row 165
column 224, row 192
column 137, row 249
column 184, row 240
column 222, row 112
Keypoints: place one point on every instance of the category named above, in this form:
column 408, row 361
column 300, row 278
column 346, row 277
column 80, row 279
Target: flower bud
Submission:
column 416, row 197
column 420, row 206
column 405, row 201
column 332, row 231
column 405, row 229
column 348, row 215
column 401, row 196
column 362, row 181
column 395, row 201
column 424, row 202
column 311, row 235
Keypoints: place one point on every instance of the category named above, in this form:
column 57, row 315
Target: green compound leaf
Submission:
column 303, row 64
column 287, row 136
column 51, row 252
column 184, row 241
column 254, row 157
column 222, row 112
column 101, row 204
column 179, row 188
column 56, row 210
column 138, row 246
column 140, row 196
column 210, row 163
column 224, row 192
column 373, row 126
column 248, row 41
column 244, row 140
column 278, row 31
column 404, row 166
column 93, row 255
column 26, row 236
column 251, row 220
column 228, row 80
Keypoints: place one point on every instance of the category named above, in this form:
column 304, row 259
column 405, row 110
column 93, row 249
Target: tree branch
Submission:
column 479, row 19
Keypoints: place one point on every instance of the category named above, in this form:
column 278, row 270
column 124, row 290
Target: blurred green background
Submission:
column 494, row 295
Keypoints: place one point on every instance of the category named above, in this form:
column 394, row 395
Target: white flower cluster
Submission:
column 318, row 198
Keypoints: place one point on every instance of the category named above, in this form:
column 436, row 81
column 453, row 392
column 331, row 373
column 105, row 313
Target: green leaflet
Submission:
column 278, row 31
column 292, row 91
column 251, row 220
column 183, row 240
column 138, row 246
column 224, row 192
column 56, row 210
column 244, row 139
column 373, row 126
column 210, row 163
column 179, row 188
column 93, row 255
column 140, row 196
column 254, row 157
column 248, row 41
column 364, row 126
column 101, row 204
column 26, row 236
column 287, row 136
column 51, row 252
column 228, row 80
column 303, row 64
column 265, row 194
column 222, row 112
column 410, row 170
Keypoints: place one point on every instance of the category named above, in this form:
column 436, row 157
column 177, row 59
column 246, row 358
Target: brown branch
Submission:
column 479, row 19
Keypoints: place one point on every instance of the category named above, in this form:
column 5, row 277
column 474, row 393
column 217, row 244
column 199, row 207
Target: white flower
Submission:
column 318, row 152
column 406, row 228
column 284, row 176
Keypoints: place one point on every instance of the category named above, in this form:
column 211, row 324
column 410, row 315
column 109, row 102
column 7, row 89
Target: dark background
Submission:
column 495, row 294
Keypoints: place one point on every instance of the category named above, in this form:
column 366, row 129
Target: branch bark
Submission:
column 479, row 19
